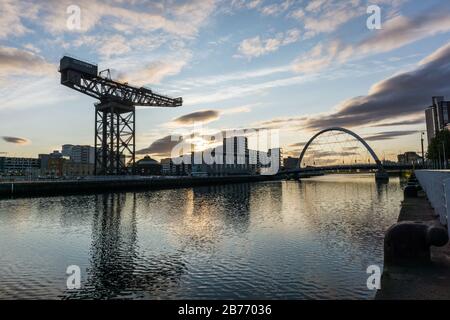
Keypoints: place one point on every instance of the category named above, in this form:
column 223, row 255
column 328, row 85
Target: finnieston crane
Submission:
column 114, row 113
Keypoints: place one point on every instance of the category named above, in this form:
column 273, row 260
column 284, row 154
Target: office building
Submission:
column 276, row 157
column 235, row 155
column 19, row 166
column 409, row 157
column 231, row 158
column 74, row 169
column 166, row 166
column 50, row 163
column 81, row 153
column 67, row 150
column 437, row 117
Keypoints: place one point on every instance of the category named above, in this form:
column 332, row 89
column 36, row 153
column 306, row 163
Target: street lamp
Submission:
column 445, row 158
column 423, row 154
column 439, row 159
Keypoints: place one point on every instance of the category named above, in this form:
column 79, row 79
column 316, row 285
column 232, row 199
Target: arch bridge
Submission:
column 380, row 174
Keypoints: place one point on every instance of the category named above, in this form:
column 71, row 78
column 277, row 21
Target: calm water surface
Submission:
column 291, row 240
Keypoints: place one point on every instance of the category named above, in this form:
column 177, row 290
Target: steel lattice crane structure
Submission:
column 114, row 113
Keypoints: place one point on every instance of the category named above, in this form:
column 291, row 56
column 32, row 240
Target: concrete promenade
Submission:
column 420, row 282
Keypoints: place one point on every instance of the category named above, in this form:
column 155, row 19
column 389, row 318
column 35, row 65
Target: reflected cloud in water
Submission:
column 308, row 239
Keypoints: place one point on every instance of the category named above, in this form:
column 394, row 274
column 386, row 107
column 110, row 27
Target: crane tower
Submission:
column 114, row 112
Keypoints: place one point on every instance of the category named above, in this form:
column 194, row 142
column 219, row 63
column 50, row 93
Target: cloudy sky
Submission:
column 294, row 65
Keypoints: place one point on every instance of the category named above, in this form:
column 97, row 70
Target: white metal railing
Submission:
column 436, row 184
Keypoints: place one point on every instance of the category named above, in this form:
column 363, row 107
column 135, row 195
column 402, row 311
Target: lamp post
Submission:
column 423, row 154
column 444, row 156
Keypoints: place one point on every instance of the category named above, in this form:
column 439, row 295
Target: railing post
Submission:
column 441, row 200
column 447, row 202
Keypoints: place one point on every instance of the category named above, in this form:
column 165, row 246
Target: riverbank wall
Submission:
column 117, row 184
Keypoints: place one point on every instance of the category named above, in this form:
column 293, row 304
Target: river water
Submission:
column 283, row 240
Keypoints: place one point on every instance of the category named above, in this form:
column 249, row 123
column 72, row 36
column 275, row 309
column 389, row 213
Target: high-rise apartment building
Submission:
column 67, row 150
column 79, row 153
column 82, row 154
column 437, row 117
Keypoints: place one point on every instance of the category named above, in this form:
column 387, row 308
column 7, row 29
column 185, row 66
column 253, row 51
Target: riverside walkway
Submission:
column 421, row 281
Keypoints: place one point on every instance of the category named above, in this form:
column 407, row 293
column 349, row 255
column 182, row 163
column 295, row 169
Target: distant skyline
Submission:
column 296, row 66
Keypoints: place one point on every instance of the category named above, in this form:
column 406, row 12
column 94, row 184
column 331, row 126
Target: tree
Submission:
column 439, row 146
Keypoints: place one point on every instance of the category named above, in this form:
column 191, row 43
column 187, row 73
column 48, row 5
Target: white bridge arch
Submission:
column 351, row 133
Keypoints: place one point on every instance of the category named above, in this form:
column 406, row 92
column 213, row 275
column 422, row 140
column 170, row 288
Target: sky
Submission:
column 294, row 66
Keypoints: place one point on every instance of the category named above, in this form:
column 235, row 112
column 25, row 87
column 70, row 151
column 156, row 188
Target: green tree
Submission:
column 437, row 146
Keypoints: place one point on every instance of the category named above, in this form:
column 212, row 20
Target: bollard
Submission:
column 410, row 192
column 409, row 242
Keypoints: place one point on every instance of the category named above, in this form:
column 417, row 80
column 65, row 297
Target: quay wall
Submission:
column 60, row 187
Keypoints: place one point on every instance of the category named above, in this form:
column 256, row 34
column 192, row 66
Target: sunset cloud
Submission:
column 256, row 46
column 310, row 64
column 14, row 61
column 276, row 8
column 13, row 15
column 401, row 95
column 15, row 140
column 319, row 16
column 206, row 116
column 155, row 71
column 400, row 31
column 161, row 147
column 419, row 120
column 199, row 116
column 389, row 135
column 181, row 19
column 397, row 32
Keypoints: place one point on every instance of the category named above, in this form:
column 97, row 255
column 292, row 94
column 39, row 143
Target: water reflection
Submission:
column 309, row 239
column 116, row 269
column 382, row 187
column 220, row 199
